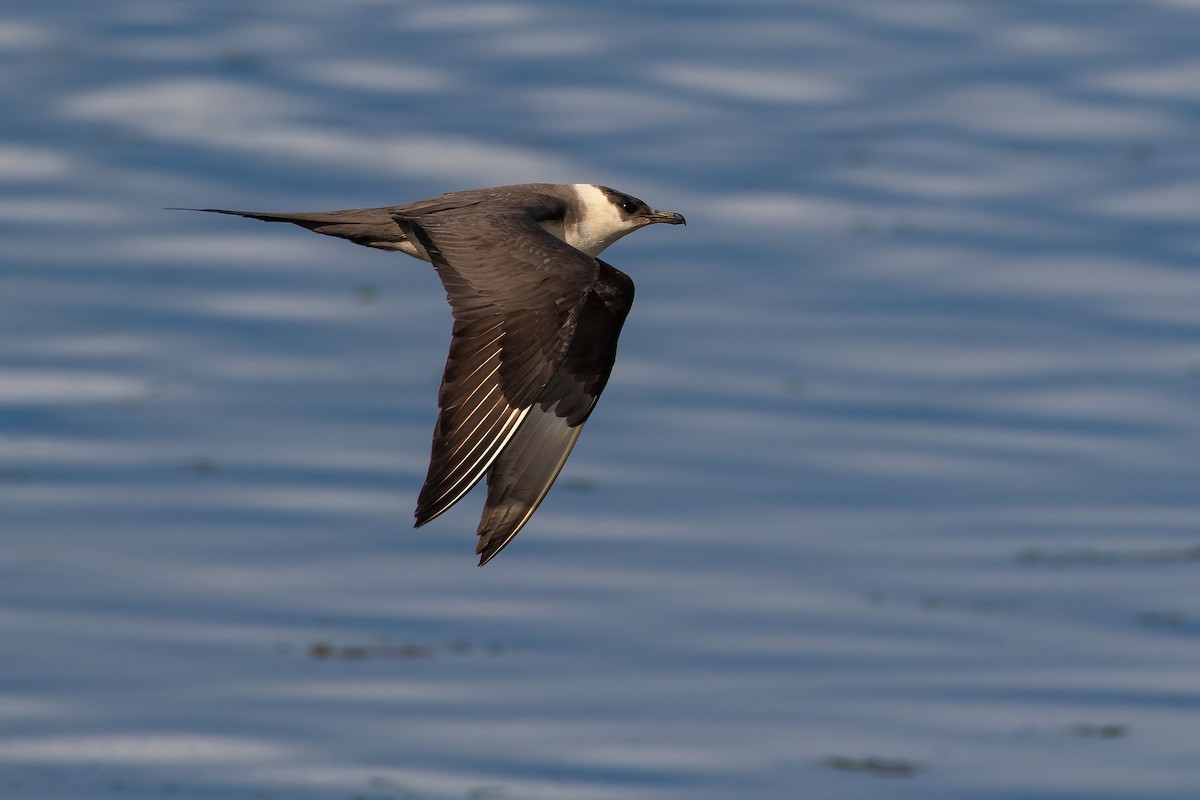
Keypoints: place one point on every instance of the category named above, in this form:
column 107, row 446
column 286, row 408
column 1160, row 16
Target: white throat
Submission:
column 597, row 224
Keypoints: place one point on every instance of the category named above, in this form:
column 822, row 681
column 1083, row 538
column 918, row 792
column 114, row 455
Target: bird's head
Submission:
column 606, row 215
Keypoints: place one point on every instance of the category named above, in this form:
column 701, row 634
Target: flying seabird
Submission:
column 536, row 321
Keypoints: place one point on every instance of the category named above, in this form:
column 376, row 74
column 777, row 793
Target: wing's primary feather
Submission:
column 522, row 475
column 516, row 293
column 526, row 468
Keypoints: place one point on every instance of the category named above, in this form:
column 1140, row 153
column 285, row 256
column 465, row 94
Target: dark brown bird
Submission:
column 536, row 321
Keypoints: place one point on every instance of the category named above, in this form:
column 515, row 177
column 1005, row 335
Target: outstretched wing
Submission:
column 527, row 466
column 516, row 294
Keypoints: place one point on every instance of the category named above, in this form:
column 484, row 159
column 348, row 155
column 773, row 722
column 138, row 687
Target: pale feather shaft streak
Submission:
column 483, row 464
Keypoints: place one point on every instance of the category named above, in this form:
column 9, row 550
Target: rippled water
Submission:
column 893, row 494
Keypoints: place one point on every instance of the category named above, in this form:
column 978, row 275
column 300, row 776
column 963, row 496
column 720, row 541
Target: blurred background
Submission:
column 894, row 492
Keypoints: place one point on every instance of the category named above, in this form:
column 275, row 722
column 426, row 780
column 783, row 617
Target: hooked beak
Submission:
column 669, row 217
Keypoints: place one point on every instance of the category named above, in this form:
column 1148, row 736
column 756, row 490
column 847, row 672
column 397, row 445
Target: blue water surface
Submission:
column 894, row 493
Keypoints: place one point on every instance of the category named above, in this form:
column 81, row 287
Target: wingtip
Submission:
column 491, row 542
column 426, row 512
column 487, row 554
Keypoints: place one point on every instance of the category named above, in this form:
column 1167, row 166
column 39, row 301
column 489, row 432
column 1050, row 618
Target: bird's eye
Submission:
column 628, row 206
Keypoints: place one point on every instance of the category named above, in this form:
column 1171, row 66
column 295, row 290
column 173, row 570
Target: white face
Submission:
column 601, row 223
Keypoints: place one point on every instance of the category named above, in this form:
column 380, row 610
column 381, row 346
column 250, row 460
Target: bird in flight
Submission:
column 536, row 320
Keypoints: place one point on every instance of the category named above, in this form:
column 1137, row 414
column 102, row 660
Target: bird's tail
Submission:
column 373, row 227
